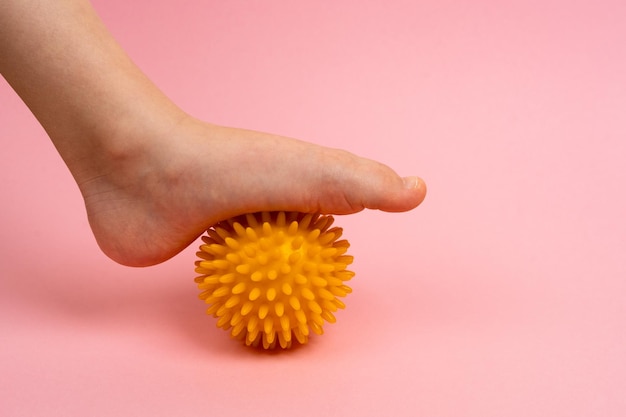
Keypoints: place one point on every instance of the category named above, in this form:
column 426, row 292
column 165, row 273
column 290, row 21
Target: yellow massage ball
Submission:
column 272, row 278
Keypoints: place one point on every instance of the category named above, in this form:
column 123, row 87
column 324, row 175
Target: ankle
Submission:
column 121, row 147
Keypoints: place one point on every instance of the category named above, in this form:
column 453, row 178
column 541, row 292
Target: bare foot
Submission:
column 148, row 203
column 153, row 178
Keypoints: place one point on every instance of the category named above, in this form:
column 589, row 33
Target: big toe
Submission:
column 360, row 183
column 381, row 188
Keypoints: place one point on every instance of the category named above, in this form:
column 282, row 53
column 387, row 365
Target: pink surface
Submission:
column 503, row 295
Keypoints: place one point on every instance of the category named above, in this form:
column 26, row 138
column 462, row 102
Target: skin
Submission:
column 154, row 178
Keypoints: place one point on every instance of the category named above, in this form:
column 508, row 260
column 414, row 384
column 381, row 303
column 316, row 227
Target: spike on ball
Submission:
column 272, row 278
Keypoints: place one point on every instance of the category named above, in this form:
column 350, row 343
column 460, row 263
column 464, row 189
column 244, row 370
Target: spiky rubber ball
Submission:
column 272, row 278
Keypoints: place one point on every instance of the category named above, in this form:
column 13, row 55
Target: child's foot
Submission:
column 147, row 204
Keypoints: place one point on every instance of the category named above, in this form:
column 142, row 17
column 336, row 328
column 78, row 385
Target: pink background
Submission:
column 503, row 295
